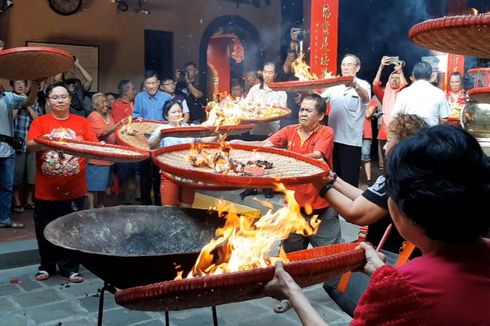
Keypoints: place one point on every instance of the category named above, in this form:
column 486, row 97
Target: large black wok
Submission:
column 127, row 246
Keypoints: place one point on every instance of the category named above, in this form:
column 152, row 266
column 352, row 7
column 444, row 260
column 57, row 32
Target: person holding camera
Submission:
column 188, row 84
column 396, row 82
column 9, row 102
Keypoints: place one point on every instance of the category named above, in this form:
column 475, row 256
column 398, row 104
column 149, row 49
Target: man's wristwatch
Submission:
column 329, row 185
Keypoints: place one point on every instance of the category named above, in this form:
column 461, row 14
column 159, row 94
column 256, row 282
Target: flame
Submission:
column 128, row 125
column 301, row 70
column 245, row 242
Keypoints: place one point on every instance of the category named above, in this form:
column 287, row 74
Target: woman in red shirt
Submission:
column 439, row 185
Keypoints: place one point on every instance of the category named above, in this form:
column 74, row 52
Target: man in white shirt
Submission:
column 422, row 98
column 348, row 104
column 262, row 95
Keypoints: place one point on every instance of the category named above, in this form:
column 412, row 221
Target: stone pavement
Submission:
column 24, row 301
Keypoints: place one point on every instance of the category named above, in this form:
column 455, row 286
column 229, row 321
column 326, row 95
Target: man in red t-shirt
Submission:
column 60, row 179
column 313, row 139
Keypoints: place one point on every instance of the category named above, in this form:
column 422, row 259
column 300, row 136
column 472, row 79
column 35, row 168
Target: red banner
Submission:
column 324, row 31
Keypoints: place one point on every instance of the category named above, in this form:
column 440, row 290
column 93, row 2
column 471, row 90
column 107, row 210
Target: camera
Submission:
column 300, row 33
column 395, row 60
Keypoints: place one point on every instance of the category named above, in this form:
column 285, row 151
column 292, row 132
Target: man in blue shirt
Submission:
column 148, row 105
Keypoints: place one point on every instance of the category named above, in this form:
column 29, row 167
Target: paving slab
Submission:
column 55, row 312
column 36, row 298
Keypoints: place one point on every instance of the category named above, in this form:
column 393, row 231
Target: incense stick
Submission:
column 384, row 238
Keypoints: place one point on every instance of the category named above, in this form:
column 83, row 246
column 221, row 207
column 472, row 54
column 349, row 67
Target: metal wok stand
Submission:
column 109, row 288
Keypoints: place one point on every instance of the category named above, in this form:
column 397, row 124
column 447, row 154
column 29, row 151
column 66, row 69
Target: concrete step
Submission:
column 18, row 253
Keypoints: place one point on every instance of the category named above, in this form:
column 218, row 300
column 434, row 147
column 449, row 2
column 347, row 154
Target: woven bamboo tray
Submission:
column 307, row 267
column 91, row 150
column 463, row 34
column 310, row 85
column 189, row 183
column 142, row 131
column 282, row 113
column 200, row 131
column 288, row 167
column 480, row 94
column 31, row 63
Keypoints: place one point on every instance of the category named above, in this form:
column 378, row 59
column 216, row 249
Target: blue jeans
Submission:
column 7, row 168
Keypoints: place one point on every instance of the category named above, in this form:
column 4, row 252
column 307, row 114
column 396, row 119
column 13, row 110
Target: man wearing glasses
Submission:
column 168, row 86
column 348, row 104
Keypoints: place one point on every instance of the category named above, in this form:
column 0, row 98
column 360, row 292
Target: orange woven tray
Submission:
column 480, row 94
column 463, row 34
column 307, row 267
column 189, row 183
column 283, row 112
column 142, row 131
column 31, row 63
column 288, row 167
column 310, row 85
column 91, row 150
column 200, row 131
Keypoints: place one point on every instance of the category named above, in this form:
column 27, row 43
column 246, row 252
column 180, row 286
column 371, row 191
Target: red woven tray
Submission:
column 480, row 94
column 478, row 72
column 309, row 85
column 307, row 267
column 289, row 168
column 284, row 112
column 143, row 130
column 200, row 131
column 31, row 63
column 464, row 34
column 189, row 183
column 91, row 150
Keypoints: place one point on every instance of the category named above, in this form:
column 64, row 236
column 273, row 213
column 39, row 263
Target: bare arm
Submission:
column 282, row 286
column 194, row 90
column 363, row 94
column 87, row 84
column 358, row 211
column 109, row 130
column 33, row 146
column 316, row 155
column 382, row 64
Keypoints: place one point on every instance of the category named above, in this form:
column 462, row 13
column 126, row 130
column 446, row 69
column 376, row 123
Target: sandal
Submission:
column 74, row 277
column 13, row 225
column 42, row 276
column 29, row 206
column 18, row 209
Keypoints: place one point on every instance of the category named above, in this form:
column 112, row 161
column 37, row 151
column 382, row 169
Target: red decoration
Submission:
column 324, row 36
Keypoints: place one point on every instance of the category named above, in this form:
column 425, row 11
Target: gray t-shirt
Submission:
column 8, row 102
column 347, row 113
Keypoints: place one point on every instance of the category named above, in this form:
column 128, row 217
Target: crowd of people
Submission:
column 433, row 190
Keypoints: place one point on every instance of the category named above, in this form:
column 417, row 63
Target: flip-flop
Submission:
column 29, row 206
column 42, row 276
column 13, row 225
column 74, row 277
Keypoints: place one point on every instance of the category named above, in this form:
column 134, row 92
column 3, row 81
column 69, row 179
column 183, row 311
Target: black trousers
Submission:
column 46, row 211
column 347, row 162
column 149, row 178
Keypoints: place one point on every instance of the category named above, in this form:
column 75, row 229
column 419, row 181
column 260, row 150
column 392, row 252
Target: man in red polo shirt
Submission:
column 313, row 139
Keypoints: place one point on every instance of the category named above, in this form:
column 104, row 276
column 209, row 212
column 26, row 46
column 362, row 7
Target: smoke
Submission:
column 379, row 28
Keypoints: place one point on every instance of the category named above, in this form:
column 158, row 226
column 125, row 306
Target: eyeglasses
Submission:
column 57, row 97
